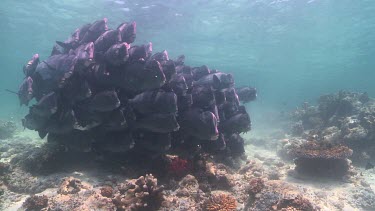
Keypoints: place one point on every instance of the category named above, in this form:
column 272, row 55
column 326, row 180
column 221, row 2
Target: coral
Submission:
column 187, row 186
column 297, row 129
column 106, row 191
column 179, row 167
column 35, row 203
column 313, row 158
column 70, row 185
column 219, row 175
column 221, row 202
column 140, row 194
column 294, row 204
column 256, row 185
column 7, row 129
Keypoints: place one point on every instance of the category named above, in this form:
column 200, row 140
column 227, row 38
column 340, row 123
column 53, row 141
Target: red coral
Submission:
column 179, row 167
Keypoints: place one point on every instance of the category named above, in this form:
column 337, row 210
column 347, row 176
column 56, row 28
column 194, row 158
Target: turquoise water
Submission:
column 291, row 50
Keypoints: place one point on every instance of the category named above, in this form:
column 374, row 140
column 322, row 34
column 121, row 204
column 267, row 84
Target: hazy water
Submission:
column 291, row 50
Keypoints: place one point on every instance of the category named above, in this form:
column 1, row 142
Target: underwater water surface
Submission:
column 291, row 50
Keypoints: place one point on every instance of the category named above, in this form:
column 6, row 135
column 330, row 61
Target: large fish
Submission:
column 142, row 52
column 159, row 123
column 94, row 31
column 178, row 85
column 62, row 122
column 238, row 123
column 246, row 94
column 46, row 106
column 140, row 76
column 114, row 142
column 155, row 101
column 203, row 96
column 128, row 32
column 155, row 142
column 104, row 101
column 31, row 65
column 199, row 124
column 199, row 72
column 25, row 93
column 117, row 54
column 106, row 40
column 74, row 40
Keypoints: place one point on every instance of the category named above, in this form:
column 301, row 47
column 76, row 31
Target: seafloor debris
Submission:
column 123, row 97
column 322, row 159
column 140, row 194
column 221, row 202
column 35, row 203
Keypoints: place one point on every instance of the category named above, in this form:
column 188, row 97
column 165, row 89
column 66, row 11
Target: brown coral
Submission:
column 256, row 185
column 70, row 185
column 321, row 159
column 313, row 149
column 221, row 202
column 140, row 194
column 106, row 191
column 35, row 203
column 294, row 204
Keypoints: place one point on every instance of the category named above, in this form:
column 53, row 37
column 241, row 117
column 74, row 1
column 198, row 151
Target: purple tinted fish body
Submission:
column 25, row 93
column 31, row 65
column 128, row 32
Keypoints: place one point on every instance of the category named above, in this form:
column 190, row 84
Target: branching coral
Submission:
column 34, row 203
column 140, row 194
column 221, row 202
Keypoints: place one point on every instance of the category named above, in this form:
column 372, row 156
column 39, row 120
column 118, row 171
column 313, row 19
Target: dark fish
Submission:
column 25, row 93
column 71, row 43
column 94, row 31
column 31, row 65
column 62, row 122
column 203, row 96
column 104, row 101
column 156, row 101
column 52, row 73
column 169, row 69
column 56, row 50
column 178, row 85
column 46, row 106
column 161, row 57
column 159, row 123
column 227, row 110
column 155, row 142
column 115, row 121
column 128, row 32
column 199, row 124
column 231, row 96
column 142, row 52
column 215, row 146
column 114, row 142
column 235, row 143
column 369, row 166
column 139, row 77
column 216, row 80
column 118, row 54
column 220, row 97
column 106, row 40
column 238, row 123
column 74, row 40
column 85, row 54
column 246, row 94
column 180, row 60
column 75, row 89
column 184, row 102
column 199, row 72
column 34, row 122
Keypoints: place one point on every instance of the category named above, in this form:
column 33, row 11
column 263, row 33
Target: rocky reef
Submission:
column 342, row 118
column 7, row 129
